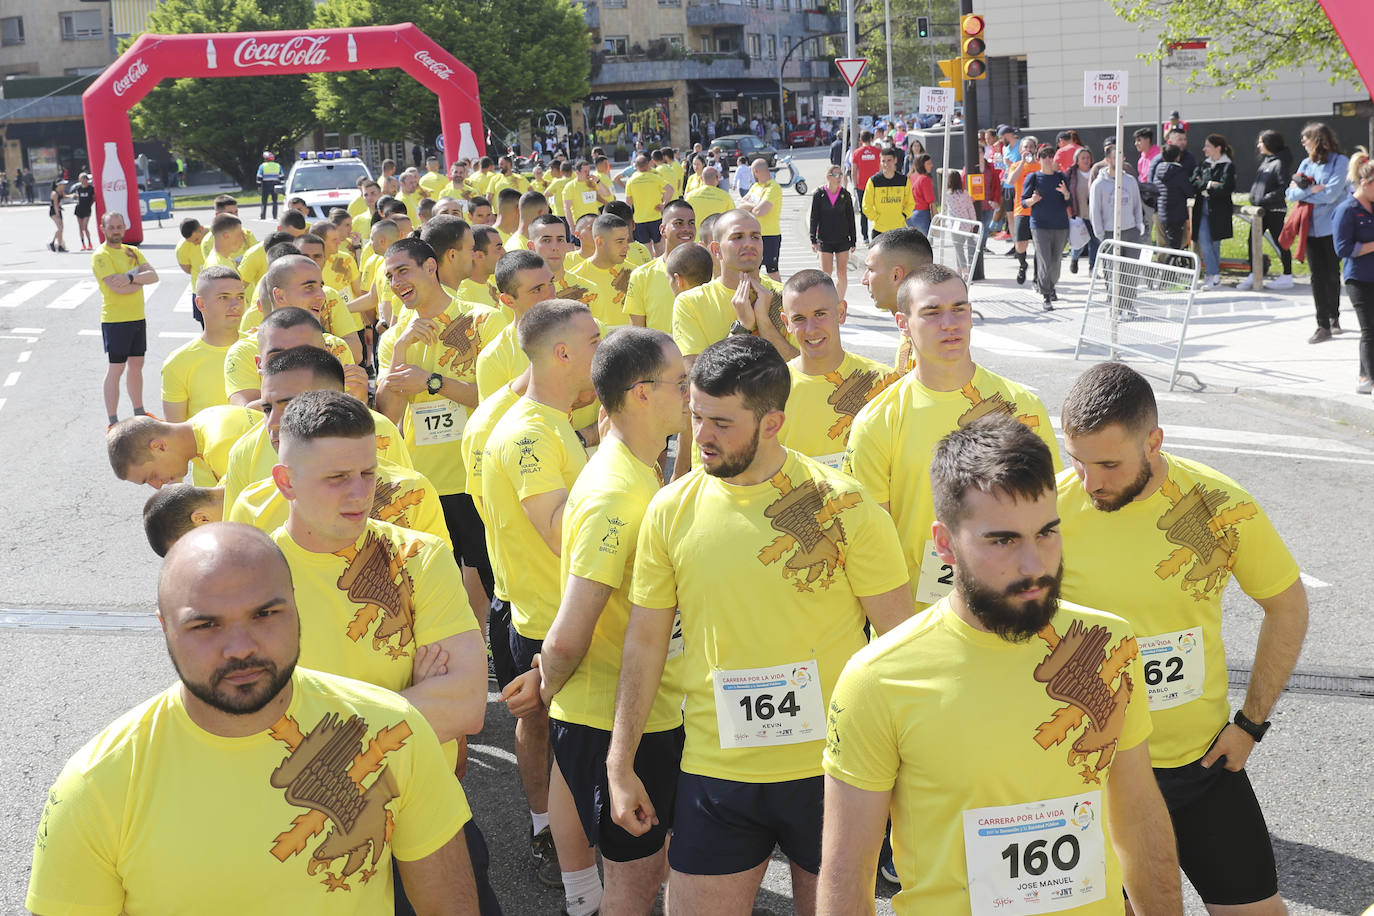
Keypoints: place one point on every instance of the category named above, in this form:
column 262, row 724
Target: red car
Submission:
column 807, row 133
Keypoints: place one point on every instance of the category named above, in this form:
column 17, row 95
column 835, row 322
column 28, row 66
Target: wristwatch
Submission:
column 738, row 328
column 434, row 383
column 1253, row 729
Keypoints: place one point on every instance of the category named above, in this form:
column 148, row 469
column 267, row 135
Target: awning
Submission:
column 609, row 95
column 734, row 89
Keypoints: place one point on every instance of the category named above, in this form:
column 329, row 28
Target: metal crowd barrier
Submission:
column 955, row 242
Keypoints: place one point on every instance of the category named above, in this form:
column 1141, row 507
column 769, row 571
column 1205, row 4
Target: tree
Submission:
column 227, row 122
column 1249, row 42
column 527, row 54
column 912, row 57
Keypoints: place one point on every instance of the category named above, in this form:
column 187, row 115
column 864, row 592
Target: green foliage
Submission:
column 1250, row 42
column 527, row 54
column 227, row 122
column 912, row 57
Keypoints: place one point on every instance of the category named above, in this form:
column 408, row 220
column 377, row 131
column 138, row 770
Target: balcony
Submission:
column 640, row 69
column 591, row 14
column 815, row 21
column 708, row 13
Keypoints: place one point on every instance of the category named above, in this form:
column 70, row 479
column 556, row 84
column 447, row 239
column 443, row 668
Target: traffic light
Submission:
column 973, row 59
column 922, row 26
column 952, row 80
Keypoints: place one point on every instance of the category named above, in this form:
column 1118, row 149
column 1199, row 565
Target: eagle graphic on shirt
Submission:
column 812, row 541
column 851, row 394
column 376, row 579
column 461, row 344
column 995, row 404
column 1206, row 537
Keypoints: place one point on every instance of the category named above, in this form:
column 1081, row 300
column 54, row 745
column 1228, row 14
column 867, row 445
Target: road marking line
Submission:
column 1185, row 446
column 27, row 330
column 11, row 379
column 87, row 332
column 1313, row 581
column 2, row 403
column 23, row 293
column 60, row 273
column 76, row 294
column 1255, row 438
column 178, row 335
column 24, row 357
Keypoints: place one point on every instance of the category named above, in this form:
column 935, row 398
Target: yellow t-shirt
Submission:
column 554, row 193
column 481, row 181
column 709, row 199
column 532, row 450
column 480, row 293
column 693, row 182
column 821, row 408
column 207, row 245
column 770, row 191
column 475, row 434
column 637, row 255
column 193, row 374
column 502, row 361
column 335, row 317
column 253, row 457
column 253, row 266
column 339, row 273
column 703, row 315
column 191, row 256
column 216, row 430
column 404, row 498
column 460, row 191
column 357, row 207
column 434, row 424
column 644, row 192
column 114, row 306
column 366, row 609
column 600, row 527
column 152, row 813
column 606, row 289
column 981, row 752
column 241, row 362
column 650, row 295
column 819, row 544
column 412, row 202
column 433, row 182
column 518, row 241
column 1163, row 563
column 581, row 198
column 891, row 444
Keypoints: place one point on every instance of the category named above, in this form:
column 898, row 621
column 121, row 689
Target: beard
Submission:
column 240, row 700
column 735, row 463
column 1014, row 620
column 1129, row 493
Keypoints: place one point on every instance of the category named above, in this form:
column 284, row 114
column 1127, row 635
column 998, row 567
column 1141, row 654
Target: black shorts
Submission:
column 1008, row 200
column 124, row 339
column 835, row 247
column 580, row 751
column 1223, row 842
column 1022, row 231
column 498, row 634
column 721, row 827
column 523, row 650
column 772, row 249
column 468, row 534
column 649, row 233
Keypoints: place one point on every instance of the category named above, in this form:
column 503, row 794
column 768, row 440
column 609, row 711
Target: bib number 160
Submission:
column 761, row 706
column 1034, row 859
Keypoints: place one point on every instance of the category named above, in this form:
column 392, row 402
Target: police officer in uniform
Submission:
column 269, row 180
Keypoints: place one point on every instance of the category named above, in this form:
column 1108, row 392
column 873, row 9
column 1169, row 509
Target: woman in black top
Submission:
column 84, row 193
column 832, row 228
column 55, row 197
column 1267, row 191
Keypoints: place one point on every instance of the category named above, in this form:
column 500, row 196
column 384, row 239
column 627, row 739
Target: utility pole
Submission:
column 887, row 33
column 853, row 90
column 973, row 163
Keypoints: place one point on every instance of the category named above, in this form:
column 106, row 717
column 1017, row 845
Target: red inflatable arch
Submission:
column 1356, row 30
column 106, row 104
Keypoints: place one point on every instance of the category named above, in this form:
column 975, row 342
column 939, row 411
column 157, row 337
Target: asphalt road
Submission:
column 78, row 578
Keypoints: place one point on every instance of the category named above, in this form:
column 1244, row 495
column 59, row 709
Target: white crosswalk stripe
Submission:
column 23, row 293
column 74, row 295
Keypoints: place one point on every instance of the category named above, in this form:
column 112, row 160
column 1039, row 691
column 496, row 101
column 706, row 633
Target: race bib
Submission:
column 765, row 707
column 589, row 197
column 832, row 461
column 1038, row 857
column 438, row 421
column 1175, row 667
column 937, row 576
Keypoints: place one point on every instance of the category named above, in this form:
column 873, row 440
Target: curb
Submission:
column 1336, row 408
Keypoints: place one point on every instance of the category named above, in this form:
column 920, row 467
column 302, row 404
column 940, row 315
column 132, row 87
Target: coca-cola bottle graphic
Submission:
column 211, row 60
column 352, row 49
column 114, row 188
column 467, row 147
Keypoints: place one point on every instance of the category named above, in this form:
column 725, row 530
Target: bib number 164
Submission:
column 760, row 706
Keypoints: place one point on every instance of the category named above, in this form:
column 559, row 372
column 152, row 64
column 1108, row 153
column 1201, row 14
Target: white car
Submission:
column 325, row 179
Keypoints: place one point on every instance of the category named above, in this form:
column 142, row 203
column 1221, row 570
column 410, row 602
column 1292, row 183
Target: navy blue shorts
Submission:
column 468, row 534
column 580, row 751
column 772, row 250
column 721, row 827
column 649, row 233
column 523, row 650
column 498, row 635
column 124, row 339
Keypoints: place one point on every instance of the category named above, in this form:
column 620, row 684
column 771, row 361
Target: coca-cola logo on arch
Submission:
column 438, row 68
column 303, row 50
column 136, row 71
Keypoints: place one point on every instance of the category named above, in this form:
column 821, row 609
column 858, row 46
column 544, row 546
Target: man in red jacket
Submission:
column 864, row 163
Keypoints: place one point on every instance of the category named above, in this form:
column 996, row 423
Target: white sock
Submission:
column 582, row 891
column 538, row 822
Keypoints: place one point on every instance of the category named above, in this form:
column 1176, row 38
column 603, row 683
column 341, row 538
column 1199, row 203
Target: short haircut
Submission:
column 808, row 279
column 548, row 219
column 995, row 454
column 321, row 228
column 506, row 198
column 277, row 238
column 167, row 514
column 627, row 355
column 926, row 275
column 425, row 208
column 1109, row 394
column 339, row 215
column 388, row 164
column 215, row 272
column 309, row 238
column 280, row 250
column 384, row 201
column 295, row 219
column 531, row 202
column 322, row 365
column 418, row 250
column 543, row 321
column 706, row 229
column 908, row 247
column 678, row 204
column 487, row 162
column 1044, row 152
column 128, row 440
column 325, row 415
column 620, row 210
column 483, row 237
column 394, row 207
column 276, row 275
column 443, row 233
column 189, row 226
column 225, row 200
column 296, row 200
column 889, row 151
column 382, row 227
column 479, row 202
column 690, row 261
column 224, row 222
column 289, row 316
column 607, row 223
column 747, row 366
column 1144, row 133
column 509, row 266
column 865, row 136
column 1171, row 153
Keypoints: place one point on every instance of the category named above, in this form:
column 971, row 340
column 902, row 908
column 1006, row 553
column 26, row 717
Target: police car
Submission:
column 325, row 179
